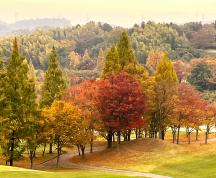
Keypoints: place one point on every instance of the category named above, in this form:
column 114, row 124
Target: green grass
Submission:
column 189, row 166
column 14, row 172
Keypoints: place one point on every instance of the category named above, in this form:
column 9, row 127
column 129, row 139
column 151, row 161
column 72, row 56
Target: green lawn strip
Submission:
column 196, row 167
column 8, row 172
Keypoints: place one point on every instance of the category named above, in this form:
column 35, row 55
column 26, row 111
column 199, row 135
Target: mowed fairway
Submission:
column 160, row 157
column 13, row 172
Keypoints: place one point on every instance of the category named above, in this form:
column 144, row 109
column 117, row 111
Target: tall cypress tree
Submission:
column 20, row 98
column 125, row 51
column 112, row 61
column 31, row 114
column 54, row 85
column 2, row 88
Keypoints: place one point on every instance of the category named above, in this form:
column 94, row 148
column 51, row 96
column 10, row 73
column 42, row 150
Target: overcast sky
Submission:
column 116, row 12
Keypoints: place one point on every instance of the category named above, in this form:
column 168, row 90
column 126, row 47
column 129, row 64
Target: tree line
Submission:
column 127, row 98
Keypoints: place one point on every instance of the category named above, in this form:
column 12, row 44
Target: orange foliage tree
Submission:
column 208, row 116
column 188, row 110
column 84, row 95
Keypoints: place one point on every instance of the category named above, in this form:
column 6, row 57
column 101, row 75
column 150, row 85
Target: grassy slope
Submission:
column 162, row 157
column 8, row 172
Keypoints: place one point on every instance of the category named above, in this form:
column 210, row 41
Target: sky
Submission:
column 116, row 12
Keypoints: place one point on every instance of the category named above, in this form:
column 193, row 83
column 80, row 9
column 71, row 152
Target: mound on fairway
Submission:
column 15, row 172
column 161, row 157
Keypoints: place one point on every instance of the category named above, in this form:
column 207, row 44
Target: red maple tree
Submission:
column 121, row 102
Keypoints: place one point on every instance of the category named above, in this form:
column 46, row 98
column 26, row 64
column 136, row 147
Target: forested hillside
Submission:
column 78, row 42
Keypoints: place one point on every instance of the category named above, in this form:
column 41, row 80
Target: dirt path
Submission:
column 65, row 163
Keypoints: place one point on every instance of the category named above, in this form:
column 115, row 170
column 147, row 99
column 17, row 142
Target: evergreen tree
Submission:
column 112, row 61
column 2, row 88
column 54, row 85
column 20, row 98
column 31, row 113
column 125, row 51
column 166, row 86
column 100, row 60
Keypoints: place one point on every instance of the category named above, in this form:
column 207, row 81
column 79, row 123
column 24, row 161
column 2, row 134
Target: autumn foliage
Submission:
column 121, row 102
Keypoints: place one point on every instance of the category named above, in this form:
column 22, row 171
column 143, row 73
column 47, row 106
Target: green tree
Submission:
column 2, row 88
column 54, row 84
column 125, row 51
column 31, row 114
column 112, row 61
column 20, row 96
column 200, row 76
column 166, row 86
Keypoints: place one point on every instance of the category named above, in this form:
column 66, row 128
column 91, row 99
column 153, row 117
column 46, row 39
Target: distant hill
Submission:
column 73, row 42
column 24, row 26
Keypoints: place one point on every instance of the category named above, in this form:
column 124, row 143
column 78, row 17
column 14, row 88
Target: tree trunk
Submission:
column 129, row 135
column 189, row 134
column 197, row 134
column 83, row 150
column 206, row 133
column 50, row 149
column 125, row 136
column 34, row 154
column 109, row 139
column 113, row 137
column 174, row 134
column 178, row 134
column 58, row 152
column 44, row 149
column 78, row 149
column 12, row 149
column 155, row 134
column 60, row 149
column 149, row 134
column 91, row 145
column 162, row 135
column 31, row 163
column 91, row 139
column 136, row 132
column 187, row 131
column 31, row 156
column 118, row 140
column 139, row 133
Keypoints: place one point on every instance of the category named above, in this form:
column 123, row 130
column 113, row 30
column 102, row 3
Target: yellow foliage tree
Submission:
column 67, row 125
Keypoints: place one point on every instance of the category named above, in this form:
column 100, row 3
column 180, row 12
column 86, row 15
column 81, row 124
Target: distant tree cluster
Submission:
column 78, row 47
